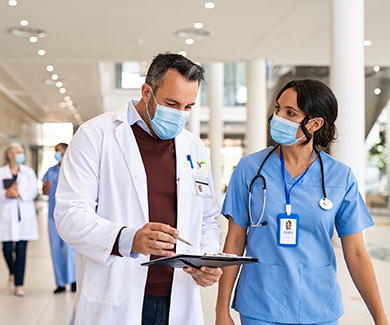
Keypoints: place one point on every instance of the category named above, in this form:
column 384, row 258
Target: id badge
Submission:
column 202, row 188
column 202, row 184
column 288, row 230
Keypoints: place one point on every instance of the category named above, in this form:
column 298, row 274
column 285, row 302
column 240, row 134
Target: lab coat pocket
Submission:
column 107, row 284
column 316, row 293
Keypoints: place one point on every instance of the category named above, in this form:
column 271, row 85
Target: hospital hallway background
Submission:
column 41, row 307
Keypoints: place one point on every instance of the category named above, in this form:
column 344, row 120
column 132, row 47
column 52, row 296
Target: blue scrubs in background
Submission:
column 63, row 255
column 293, row 285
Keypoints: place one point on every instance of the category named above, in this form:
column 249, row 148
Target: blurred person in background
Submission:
column 18, row 219
column 63, row 255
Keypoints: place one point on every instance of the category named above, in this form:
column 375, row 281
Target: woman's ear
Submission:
column 316, row 124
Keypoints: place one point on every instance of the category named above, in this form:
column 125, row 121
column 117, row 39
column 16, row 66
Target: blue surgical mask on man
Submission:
column 284, row 131
column 20, row 158
column 168, row 122
column 58, row 156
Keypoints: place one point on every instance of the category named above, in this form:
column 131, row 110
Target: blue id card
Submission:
column 288, row 230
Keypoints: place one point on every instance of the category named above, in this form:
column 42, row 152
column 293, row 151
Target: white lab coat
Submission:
column 102, row 187
column 11, row 228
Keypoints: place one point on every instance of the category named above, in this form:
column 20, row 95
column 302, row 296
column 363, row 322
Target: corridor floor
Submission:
column 41, row 307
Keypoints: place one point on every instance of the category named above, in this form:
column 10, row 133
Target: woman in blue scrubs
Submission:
column 289, row 229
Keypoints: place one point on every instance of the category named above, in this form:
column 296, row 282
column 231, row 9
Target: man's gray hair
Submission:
column 163, row 62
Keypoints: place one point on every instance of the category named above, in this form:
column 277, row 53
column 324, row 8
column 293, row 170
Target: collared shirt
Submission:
column 134, row 117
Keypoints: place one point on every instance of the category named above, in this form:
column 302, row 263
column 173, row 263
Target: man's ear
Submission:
column 146, row 93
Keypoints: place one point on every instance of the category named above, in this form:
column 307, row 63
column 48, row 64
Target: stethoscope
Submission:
column 324, row 202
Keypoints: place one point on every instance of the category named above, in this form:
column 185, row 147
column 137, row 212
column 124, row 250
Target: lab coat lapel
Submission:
column 128, row 145
column 184, row 183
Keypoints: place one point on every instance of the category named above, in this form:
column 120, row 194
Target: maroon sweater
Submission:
column 159, row 161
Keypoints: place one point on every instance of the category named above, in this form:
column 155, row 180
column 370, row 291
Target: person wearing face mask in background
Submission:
column 127, row 185
column 295, row 281
column 63, row 255
column 18, row 219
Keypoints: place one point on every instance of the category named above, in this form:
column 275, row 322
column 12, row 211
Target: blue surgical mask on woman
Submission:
column 20, row 158
column 284, row 131
column 168, row 122
column 58, row 156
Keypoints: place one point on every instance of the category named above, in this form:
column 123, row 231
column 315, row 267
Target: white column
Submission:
column 388, row 150
column 347, row 81
column 216, row 123
column 193, row 124
column 256, row 124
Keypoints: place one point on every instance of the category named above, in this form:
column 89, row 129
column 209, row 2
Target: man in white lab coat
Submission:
column 128, row 183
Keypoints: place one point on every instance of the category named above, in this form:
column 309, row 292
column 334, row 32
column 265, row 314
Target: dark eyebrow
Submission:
column 176, row 102
column 288, row 107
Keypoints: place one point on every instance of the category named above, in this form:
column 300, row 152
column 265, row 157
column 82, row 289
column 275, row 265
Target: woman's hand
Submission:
column 223, row 319
column 12, row 191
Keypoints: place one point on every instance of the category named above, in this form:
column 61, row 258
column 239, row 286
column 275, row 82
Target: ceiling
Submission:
column 80, row 34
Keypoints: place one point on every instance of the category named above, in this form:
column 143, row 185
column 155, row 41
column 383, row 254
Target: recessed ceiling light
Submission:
column 367, row 43
column 376, row 68
column 195, row 34
column 209, row 5
column 50, row 68
column 33, row 39
column 63, row 105
column 23, row 23
column 27, row 32
column 198, row 25
column 12, row 3
column 59, row 84
column 66, row 98
column 69, row 103
column 54, row 76
column 62, row 90
column 41, row 52
column 189, row 41
column 377, row 91
column 183, row 53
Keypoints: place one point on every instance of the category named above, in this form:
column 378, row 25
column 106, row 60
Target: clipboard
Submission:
column 8, row 182
column 197, row 261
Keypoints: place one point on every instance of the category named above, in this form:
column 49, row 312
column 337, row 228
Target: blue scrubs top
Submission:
column 52, row 175
column 293, row 284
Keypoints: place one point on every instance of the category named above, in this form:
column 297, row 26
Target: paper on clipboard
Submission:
column 197, row 261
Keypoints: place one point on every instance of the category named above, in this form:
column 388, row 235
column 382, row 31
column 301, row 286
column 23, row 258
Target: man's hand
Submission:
column 46, row 187
column 206, row 276
column 12, row 191
column 155, row 238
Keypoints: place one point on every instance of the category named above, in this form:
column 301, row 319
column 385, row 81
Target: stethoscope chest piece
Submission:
column 325, row 204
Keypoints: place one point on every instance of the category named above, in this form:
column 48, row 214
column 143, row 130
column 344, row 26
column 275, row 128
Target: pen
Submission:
column 182, row 240
column 190, row 160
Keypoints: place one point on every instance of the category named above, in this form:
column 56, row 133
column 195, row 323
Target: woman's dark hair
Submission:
column 315, row 99
column 163, row 62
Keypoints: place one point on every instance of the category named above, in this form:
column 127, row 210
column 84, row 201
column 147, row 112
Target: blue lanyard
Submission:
column 287, row 192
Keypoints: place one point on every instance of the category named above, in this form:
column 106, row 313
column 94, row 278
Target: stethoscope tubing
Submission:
column 259, row 224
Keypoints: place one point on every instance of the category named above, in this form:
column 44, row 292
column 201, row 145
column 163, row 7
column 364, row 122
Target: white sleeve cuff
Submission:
column 126, row 243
